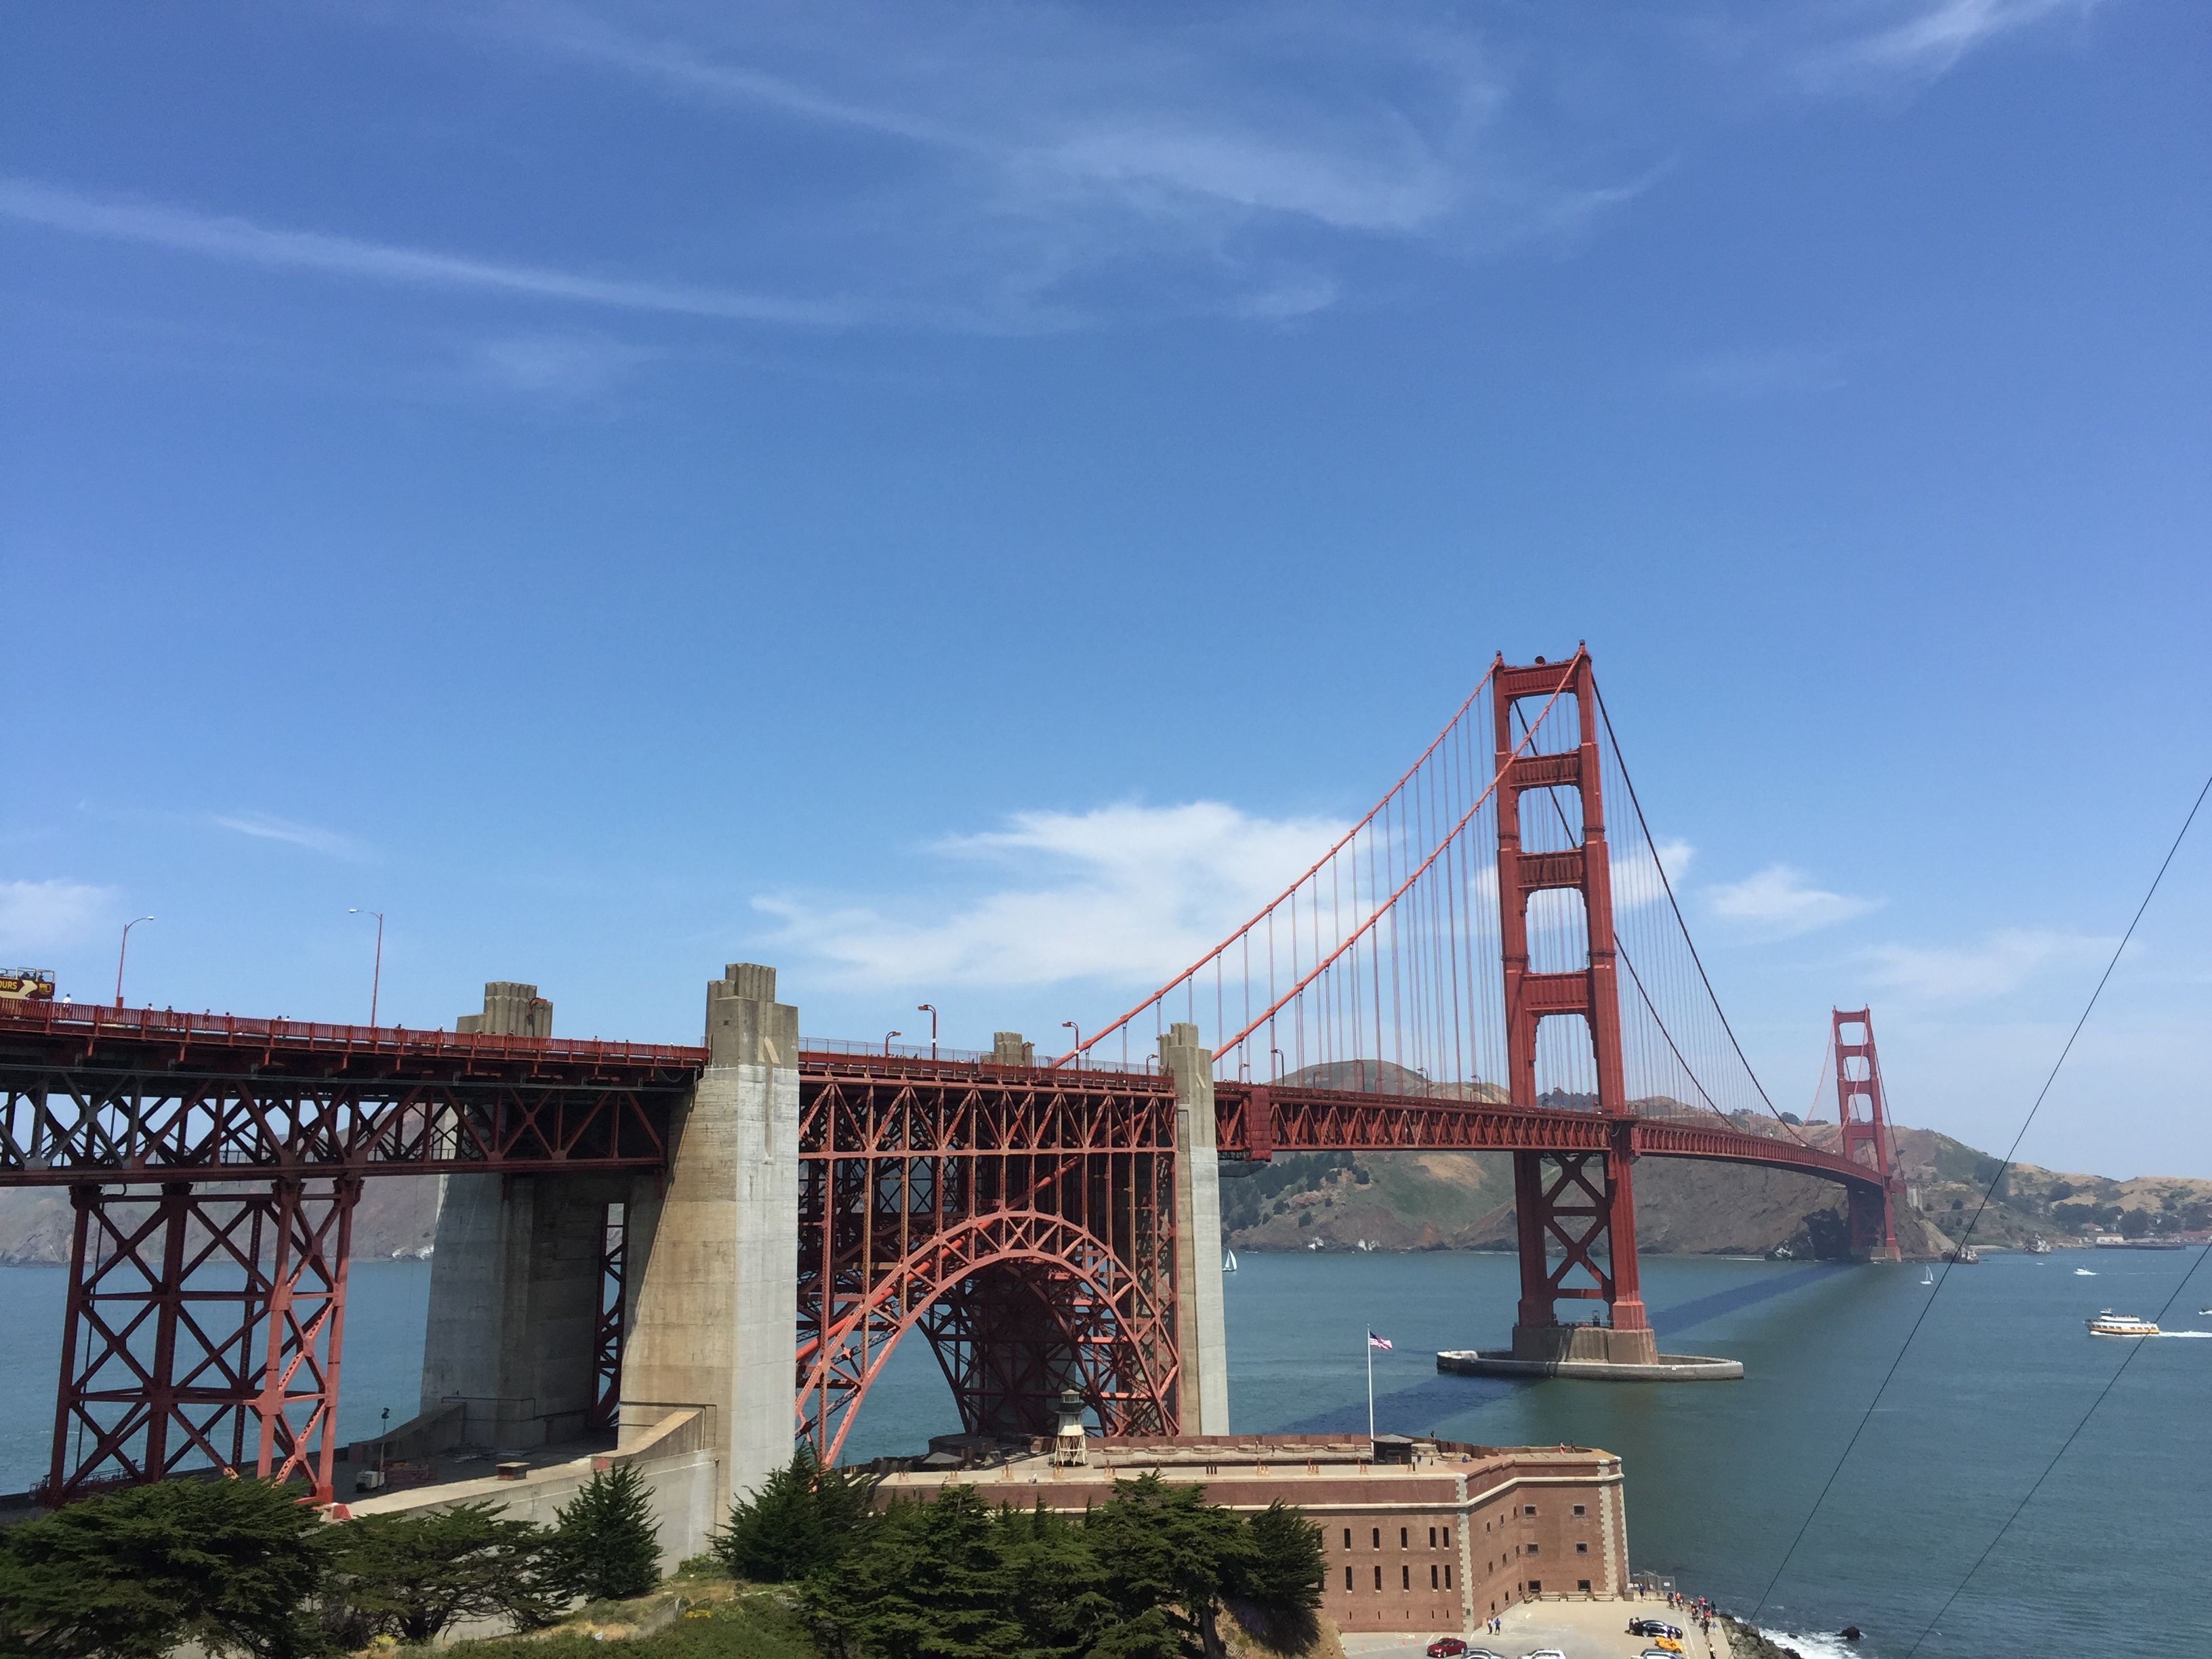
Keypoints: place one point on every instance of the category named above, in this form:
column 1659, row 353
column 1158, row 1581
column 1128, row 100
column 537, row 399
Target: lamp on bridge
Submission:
column 929, row 1008
column 119, row 954
column 1075, row 1043
column 376, row 974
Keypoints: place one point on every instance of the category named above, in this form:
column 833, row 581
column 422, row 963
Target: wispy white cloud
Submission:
column 1780, row 902
column 267, row 826
column 2001, row 964
column 1923, row 39
column 51, row 915
column 187, row 230
column 1125, row 894
column 562, row 367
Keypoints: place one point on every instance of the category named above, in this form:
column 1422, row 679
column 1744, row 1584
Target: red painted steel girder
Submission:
column 150, row 1094
column 1022, row 1218
column 65, row 1125
column 62, row 1033
column 1317, row 1119
column 203, row 1330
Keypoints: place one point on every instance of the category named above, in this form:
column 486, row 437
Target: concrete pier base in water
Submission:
column 1660, row 1368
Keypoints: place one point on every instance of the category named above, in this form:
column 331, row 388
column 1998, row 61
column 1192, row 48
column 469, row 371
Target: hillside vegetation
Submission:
column 1464, row 1200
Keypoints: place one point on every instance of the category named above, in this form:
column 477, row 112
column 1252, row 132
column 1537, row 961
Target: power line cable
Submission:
column 2003, row 1169
column 2134, row 1349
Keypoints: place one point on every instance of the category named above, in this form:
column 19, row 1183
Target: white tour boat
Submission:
column 2109, row 1323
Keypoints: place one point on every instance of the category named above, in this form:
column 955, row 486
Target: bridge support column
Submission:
column 712, row 1259
column 1863, row 1129
column 1201, row 1330
column 514, row 1280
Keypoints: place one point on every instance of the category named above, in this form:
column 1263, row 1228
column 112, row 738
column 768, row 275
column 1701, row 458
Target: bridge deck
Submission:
column 148, row 1094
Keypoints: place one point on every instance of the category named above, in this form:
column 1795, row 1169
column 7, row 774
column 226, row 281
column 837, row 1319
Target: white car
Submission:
column 1544, row 1653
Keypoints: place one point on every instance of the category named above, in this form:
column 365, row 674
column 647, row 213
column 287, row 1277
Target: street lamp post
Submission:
column 376, row 975
column 121, row 951
column 929, row 1008
column 1076, row 1043
column 887, row 1035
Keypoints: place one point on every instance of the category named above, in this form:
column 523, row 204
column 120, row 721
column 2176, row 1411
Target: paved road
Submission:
column 1581, row 1629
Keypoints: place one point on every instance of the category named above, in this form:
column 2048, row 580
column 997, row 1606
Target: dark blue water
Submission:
column 1720, row 1475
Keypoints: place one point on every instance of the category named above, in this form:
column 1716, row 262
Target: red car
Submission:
column 1446, row 1646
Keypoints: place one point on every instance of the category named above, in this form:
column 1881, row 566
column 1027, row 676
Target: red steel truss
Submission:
column 1022, row 1219
column 1862, row 1117
column 144, row 1094
column 607, row 1327
column 203, row 1329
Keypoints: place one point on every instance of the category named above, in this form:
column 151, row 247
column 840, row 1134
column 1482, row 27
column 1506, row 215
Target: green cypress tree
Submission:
column 609, row 1543
column 230, row 1565
column 803, row 1516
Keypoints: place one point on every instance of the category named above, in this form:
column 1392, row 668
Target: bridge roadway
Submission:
column 145, row 1094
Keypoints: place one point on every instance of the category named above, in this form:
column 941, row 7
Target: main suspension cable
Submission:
column 1680, row 920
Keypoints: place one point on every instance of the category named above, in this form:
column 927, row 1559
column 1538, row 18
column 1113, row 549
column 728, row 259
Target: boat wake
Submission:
column 2201, row 1335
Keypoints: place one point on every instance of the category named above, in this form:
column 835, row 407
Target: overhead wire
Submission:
column 1988, row 1194
column 2118, row 1371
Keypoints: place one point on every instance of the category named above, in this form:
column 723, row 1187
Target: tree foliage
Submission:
column 229, row 1565
column 410, row 1576
column 608, row 1543
column 1144, row 1575
column 803, row 1517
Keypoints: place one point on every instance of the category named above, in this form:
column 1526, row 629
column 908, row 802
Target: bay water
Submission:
column 2114, row 1549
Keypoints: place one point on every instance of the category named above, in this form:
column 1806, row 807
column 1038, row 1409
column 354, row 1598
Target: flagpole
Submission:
column 1370, row 1346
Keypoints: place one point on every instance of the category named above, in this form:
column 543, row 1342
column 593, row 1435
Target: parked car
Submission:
column 1654, row 1627
column 1447, row 1647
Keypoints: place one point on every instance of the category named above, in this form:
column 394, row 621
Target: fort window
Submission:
column 1447, row 1575
column 1378, row 1542
column 1401, row 1537
column 1582, row 1549
column 1535, row 1587
column 1582, row 1508
column 1528, row 1509
column 1348, row 1579
column 1582, row 1583
column 1433, row 1538
column 1447, row 1537
column 1432, row 1576
column 1378, row 1578
column 1405, row 1578
column 1532, row 1548
column 1347, row 1538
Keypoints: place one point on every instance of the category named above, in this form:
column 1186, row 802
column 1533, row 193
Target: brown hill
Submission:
column 1464, row 1200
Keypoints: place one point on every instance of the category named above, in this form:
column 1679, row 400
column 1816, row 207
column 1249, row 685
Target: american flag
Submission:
column 1374, row 1341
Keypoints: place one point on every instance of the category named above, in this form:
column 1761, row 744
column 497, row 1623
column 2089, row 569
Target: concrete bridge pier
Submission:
column 516, row 1280
column 1201, row 1332
column 713, row 1296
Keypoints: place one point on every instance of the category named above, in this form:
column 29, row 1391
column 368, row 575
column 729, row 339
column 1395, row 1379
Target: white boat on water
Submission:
column 2084, row 1272
column 2109, row 1323
column 1927, row 1275
column 1229, row 1261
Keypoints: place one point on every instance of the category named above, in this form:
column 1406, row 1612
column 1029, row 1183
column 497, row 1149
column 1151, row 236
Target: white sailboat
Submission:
column 1229, row 1261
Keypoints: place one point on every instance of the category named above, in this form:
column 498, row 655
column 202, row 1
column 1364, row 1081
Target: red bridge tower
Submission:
column 1863, row 1117
column 1584, row 1203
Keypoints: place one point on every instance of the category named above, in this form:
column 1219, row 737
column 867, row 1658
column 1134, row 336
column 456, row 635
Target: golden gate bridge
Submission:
column 1483, row 962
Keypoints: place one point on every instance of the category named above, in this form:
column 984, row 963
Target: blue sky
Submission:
column 950, row 500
